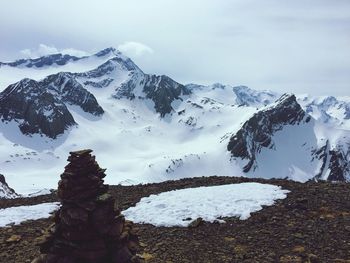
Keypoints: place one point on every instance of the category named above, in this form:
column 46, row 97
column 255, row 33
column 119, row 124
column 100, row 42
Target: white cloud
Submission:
column 135, row 49
column 44, row 50
column 288, row 46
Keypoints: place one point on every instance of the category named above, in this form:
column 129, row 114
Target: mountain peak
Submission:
column 258, row 131
column 106, row 51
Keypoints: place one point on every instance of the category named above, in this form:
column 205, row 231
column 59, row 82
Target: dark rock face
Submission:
column 35, row 109
column 40, row 107
column 69, row 90
column 5, row 190
column 257, row 132
column 322, row 154
column 87, row 228
column 127, row 89
column 49, row 60
column 335, row 163
column 339, row 166
column 162, row 90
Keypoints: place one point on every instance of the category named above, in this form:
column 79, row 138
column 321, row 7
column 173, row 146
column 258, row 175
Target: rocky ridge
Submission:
column 58, row 59
column 335, row 162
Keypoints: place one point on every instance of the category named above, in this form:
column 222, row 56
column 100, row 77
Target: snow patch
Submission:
column 19, row 214
column 180, row 207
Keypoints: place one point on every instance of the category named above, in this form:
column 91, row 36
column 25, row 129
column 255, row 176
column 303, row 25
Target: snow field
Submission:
column 180, row 207
column 16, row 215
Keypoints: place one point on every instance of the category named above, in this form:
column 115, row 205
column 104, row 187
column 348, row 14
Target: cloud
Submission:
column 135, row 49
column 290, row 46
column 43, row 50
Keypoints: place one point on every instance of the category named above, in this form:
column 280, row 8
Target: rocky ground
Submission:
column 311, row 225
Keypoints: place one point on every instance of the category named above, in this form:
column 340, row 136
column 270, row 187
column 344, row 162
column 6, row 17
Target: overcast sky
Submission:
column 300, row 46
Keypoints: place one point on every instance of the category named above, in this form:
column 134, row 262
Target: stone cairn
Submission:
column 87, row 228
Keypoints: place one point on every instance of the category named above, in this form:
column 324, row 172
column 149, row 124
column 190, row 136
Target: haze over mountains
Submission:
column 149, row 128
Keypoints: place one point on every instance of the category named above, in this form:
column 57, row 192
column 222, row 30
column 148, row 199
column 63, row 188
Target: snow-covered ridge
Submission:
column 55, row 59
column 16, row 215
column 328, row 109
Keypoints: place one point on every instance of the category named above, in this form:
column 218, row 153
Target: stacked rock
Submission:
column 87, row 228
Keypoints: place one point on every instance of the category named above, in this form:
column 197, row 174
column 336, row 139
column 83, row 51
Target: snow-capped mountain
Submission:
column 284, row 139
column 258, row 132
column 329, row 109
column 150, row 128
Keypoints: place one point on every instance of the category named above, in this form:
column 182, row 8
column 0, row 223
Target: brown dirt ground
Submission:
column 311, row 225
